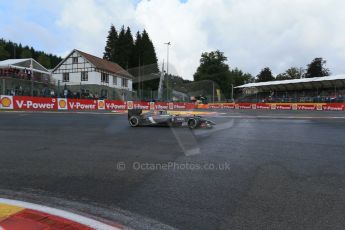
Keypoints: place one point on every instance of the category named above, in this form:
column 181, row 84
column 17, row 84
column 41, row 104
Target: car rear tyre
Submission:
column 192, row 123
column 134, row 121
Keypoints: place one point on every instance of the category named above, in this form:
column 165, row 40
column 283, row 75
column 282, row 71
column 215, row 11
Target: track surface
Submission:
column 286, row 167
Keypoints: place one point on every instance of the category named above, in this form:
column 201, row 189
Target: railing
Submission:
column 326, row 99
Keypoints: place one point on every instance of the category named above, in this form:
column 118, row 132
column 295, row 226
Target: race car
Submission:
column 161, row 118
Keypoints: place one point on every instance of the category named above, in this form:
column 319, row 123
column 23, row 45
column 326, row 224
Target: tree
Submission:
column 123, row 48
column 26, row 53
column 129, row 44
column 282, row 76
column 265, row 75
column 10, row 49
column 4, row 54
column 148, row 54
column 137, row 51
column 291, row 73
column 213, row 67
column 109, row 50
column 295, row 73
column 148, row 61
column 237, row 77
column 44, row 60
column 210, row 64
column 317, row 68
column 120, row 53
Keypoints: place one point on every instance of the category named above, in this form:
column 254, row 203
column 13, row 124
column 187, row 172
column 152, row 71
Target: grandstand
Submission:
column 319, row 89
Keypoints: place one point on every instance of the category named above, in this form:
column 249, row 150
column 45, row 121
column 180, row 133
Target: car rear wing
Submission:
column 134, row 112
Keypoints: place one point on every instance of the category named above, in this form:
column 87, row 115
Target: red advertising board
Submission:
column 75, row 104
column 307, row 107
column 263, row 106
column 141, row 105
column 202, row 106
column 43, row 103
column 183, row 105
column 334, row 107
column 214, row 106
column 161, row 105
column 281, row 106
column 228, row 105
column 115, row 105
column 244, row 105
column 34, row 103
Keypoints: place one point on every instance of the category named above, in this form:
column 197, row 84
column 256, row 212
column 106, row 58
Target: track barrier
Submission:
column 48, row 104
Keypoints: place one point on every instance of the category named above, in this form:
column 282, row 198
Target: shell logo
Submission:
column 62, row 104
column 101, row 104
column 6, row 102
column 130, row 105
column 152, row 105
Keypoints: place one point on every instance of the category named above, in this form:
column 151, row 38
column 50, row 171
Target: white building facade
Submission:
column 80, row 68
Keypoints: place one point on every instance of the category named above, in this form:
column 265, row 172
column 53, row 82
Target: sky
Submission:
column 253, row 34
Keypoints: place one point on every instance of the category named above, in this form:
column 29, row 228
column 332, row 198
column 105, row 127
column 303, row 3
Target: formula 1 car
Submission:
column 162, row 118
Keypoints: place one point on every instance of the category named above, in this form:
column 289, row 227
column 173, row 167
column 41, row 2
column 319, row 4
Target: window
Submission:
column 114, row 80
column 74, row 60
column 84, row 76
column 65, row 77
column 105, row 78
column 124, row 82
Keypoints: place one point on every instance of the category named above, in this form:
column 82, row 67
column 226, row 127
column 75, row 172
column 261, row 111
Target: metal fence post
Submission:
column 32, row 78
column 3, row 86
column 58, row 94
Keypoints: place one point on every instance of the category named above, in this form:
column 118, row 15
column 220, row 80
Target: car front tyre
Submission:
column 192, row 123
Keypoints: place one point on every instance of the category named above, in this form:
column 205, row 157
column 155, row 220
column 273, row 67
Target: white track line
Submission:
column 57, row 212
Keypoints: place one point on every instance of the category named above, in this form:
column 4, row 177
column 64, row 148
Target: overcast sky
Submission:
column 252, row 33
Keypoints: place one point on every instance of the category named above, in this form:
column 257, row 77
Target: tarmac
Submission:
column 254, row 170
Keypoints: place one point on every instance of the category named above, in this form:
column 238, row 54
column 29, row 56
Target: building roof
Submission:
column 24, row 63
column 298, row 84
column 6, row 63
column 106, row 65
column 100, row 63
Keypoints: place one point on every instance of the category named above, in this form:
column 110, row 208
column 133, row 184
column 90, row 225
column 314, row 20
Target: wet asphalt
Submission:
column 254, row 170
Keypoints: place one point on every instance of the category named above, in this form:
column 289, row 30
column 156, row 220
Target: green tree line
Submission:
column 137, row 55
column 12, row 50
column 213, row 66
column 316, row 68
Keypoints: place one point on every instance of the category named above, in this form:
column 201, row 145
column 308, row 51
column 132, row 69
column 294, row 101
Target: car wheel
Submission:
column 134, row 121
column 192, row 123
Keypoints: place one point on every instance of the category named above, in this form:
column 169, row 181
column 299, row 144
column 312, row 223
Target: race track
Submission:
column 254, row 170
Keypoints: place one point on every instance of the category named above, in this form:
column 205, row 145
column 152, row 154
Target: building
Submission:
column 80, row 70
column 317, row 89
column 24, row 77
